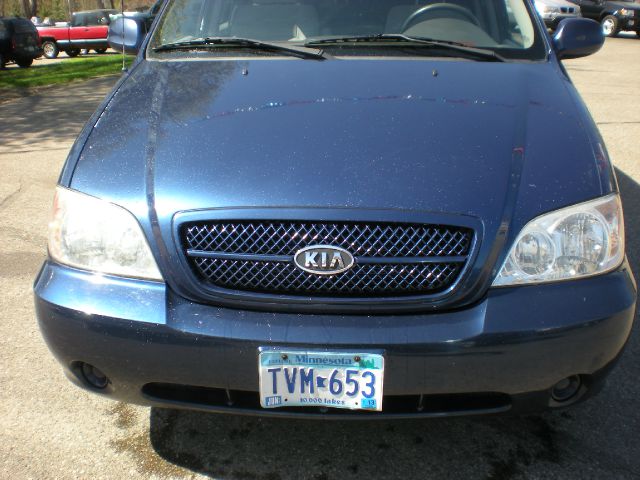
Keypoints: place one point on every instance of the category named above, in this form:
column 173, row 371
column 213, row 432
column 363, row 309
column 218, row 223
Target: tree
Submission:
column 30, row 8
column 61, row 9
column 105, row 4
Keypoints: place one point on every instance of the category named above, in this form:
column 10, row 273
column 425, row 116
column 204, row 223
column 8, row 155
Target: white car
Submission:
column 553, row 11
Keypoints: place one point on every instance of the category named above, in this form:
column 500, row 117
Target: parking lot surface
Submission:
column 51, row 429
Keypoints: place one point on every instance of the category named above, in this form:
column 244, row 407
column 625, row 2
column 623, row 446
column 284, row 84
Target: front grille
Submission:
column 390, row 259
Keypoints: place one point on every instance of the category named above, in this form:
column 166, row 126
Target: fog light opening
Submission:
column 566, row 389
column 94, row 376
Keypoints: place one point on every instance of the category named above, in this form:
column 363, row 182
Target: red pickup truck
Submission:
column 87, row 30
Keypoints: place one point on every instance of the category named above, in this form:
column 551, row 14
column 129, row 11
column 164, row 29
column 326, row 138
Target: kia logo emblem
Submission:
column 323, row 259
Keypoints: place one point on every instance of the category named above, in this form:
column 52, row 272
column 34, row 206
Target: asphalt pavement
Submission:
column 51, row 429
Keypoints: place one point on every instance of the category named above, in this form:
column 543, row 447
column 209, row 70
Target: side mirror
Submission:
column 577, row 37
column 127, row 32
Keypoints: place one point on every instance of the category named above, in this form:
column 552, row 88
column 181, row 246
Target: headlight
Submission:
column 96, row 235
column 626, row 13
column 577, row 241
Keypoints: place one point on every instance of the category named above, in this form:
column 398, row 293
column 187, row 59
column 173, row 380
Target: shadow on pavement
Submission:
column 49, row 113
column 233, row 447
column 591, row 440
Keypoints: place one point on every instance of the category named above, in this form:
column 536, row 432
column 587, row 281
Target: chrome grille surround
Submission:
column 391, row 259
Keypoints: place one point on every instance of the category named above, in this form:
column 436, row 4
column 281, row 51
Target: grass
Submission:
column 62, row 72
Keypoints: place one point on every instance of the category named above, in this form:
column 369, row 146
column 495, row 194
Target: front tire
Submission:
column 610, row 27
column 50, row 49
column 101, row 50
column 73, row 53
column 24, row 62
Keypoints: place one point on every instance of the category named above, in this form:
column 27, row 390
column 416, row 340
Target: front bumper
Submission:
column 35, row 52
column 516, row 343
column 629, row 23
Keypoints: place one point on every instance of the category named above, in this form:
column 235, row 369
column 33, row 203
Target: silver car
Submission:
column 553, row 11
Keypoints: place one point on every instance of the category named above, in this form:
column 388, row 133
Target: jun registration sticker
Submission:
column 323, row 379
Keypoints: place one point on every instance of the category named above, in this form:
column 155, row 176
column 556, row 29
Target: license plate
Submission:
column 294, row 378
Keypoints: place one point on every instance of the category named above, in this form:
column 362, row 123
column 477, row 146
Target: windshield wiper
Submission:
column 483, row 53
column 206, row 42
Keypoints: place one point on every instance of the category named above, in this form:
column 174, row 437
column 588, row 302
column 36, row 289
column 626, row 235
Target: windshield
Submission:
column 505, row 26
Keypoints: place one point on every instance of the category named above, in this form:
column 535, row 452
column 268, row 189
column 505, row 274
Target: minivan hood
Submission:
column 488, row 140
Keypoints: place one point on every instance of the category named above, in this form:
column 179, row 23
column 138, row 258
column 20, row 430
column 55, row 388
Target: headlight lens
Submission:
column 577, row 241
column 626, row 13
column 96, row 235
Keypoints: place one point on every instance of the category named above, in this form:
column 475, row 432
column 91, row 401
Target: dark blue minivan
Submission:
column 340, row 209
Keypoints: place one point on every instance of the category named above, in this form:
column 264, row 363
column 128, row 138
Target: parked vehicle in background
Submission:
column 617, row 16
column 141, row 19
column 87, row 30
column 147, row 15
column 553, row 11
column 47, row 22
column 19, row 42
